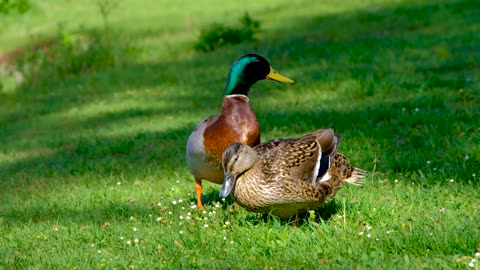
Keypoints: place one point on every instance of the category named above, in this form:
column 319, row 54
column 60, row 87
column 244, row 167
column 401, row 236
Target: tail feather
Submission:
column 357, row 178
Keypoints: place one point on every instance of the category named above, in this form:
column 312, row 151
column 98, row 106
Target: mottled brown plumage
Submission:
column 285, row 177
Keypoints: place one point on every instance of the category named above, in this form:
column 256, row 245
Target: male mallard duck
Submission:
column 236, row 123
column 285, row 177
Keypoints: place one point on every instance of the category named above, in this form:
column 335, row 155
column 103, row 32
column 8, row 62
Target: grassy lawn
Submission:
column 92, row 167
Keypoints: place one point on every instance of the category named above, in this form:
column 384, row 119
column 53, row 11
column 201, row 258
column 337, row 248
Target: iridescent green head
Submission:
column 247, row 70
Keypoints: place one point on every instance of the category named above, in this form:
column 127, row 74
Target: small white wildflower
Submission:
column 159, row 204
column 183, row 208
column 193, row 206
column 99, row 251
column 92, row 245
column 466, row 157
column 174, row 202
column 121, row 237
column 477, row 254
column 206, row 225
column 396, row 180
column 129, row 242
column 403, row 109
column 451, row 180
column 231, row 242
column 136, row 240
column 119, row 183
column 428, row 162
column 132, row 218
column 442, row 210
column 181, row 217
column 227, row 222
column 169, row 212
column 188, row 214
column 368, row 227
column 134, row 229
column 223, row 199
column 360, row 233
column 417, row 109
column 159, row 218
column 471, row 264
column 181, row 232
column 188, row 217
column 431, row 233
column 389, row 231
column 180, row 200
column 434, row 169
column 204, row 212
column 150, row 215
column 178, row 181
column 173, row 189
column 205, row 218
column 368, row 235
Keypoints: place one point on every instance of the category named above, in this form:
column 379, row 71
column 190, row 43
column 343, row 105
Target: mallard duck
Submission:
column 285, row 177
column 236, row 123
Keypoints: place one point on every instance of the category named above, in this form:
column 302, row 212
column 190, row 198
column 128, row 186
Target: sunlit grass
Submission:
column 92, row 170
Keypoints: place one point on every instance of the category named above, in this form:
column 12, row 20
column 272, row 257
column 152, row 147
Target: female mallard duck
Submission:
column 285, row 177
column 236, row 123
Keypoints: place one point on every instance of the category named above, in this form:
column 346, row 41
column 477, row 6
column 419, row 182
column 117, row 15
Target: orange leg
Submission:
column 198, row 190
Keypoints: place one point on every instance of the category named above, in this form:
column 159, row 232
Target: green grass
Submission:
column 93, row 161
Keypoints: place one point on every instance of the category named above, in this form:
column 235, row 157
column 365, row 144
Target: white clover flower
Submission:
column 471, row 264
column 169, row 212
column 224, row 238
column 92, row 245
column 159, row 218
column 227, row 222
column 368, row 235
column 174, row 202
column 204, row 212
column 121, row 237
column 368, row 227
column 360, row 233
column 442, row 210
column 99, row 251
column 136, row 240
column 134, row 229
column 181, row 217
column 129, row 242
column 417, row 109
column 477, row 254
column 159, row 204
column 451, row 180
column 206, row 225
column 180, row 200
column 193, row 206
column 178, row 181
column 181, row 232
column 428, row 162
column 231, row 242
column 119, row 183
column 188, row 214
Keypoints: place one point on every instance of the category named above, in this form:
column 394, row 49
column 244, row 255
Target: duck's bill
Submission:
column 227, row 186
column 274, row 76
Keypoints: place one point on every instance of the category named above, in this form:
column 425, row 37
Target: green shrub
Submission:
column 72, row 54
column 218, row 35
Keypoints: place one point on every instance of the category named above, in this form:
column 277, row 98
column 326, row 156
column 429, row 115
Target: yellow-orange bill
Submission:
column 274, row 76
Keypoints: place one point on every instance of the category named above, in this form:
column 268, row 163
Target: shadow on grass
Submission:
column 397, row 59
